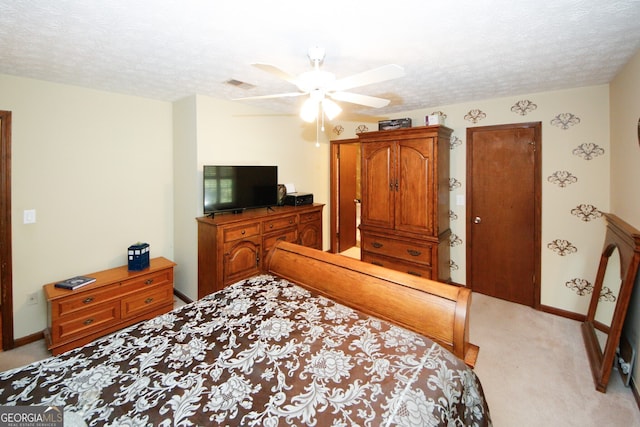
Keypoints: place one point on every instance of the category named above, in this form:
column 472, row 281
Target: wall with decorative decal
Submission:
column 575, row 187
column 625, row 174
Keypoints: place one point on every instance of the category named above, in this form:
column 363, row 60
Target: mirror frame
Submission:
column 626, row 238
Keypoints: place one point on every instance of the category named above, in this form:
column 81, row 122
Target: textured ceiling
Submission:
column 452, row 51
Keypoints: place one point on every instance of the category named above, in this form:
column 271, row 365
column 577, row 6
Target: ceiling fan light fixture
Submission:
column 309, row 110
column 330, row 108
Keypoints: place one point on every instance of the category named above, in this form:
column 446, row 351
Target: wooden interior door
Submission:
column 503, row 211
column 6, row 286
column 345, row 190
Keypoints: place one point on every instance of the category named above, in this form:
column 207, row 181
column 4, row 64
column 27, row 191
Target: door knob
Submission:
column 477, row 220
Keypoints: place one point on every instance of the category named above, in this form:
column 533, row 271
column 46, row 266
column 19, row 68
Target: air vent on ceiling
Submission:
column 240, row 84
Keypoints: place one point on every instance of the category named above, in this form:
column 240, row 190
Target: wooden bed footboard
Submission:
column 437, row 310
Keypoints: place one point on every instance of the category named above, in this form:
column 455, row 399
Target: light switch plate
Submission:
column 29, row 216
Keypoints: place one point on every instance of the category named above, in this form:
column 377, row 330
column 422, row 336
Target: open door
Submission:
column 345, row 180
column 6, row 289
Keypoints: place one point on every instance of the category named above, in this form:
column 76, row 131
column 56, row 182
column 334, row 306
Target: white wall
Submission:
column 625, row 174
column 97, row 168
column 214, row 131
column 591, row 106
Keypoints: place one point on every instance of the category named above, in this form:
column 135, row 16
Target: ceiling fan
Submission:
column 323, row 87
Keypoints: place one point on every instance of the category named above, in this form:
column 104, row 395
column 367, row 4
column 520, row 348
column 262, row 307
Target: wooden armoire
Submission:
column 404, row 223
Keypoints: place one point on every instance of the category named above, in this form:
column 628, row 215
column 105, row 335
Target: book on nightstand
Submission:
column 75, row 282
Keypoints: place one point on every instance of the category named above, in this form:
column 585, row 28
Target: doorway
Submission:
column 6, row 292
column 345, row 194
column 503, row 211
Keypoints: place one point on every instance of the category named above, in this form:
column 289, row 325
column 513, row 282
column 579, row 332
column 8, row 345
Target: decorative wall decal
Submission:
column 474, row 116
column 454, row 183
column 523, row 107
column 607, row 295
column 562, row 178
column 454, row 240
column 453, row 266
column 586, row 212
column 452, row 215
column 588, row 150
column 454, row 142
column 338, row 129
column 562, row 247
column 580, row 286
column 564, row 120
column 361, row 128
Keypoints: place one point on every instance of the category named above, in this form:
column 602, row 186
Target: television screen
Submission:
column 234, row 188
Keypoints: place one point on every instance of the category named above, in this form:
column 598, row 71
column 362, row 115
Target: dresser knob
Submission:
column 87, row 300
column 413, row 252
column 88, row 321
column 148, row 300
column 376, row 245
column 148, row 281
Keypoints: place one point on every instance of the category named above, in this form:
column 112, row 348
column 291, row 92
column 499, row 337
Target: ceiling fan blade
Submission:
column 386, row 72
column 354, row 98
column 272, row 69
column 278, row 95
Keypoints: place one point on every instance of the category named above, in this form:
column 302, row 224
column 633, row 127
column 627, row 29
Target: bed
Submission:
column 318, row 339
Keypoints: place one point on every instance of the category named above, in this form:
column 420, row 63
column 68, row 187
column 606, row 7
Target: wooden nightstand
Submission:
column 117, row 298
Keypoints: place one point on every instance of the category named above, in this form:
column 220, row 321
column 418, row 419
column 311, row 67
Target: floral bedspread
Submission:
column 262, row 352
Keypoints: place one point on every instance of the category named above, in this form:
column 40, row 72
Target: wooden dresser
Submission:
column 117, row 298
column 232, row 247
column 404, row 223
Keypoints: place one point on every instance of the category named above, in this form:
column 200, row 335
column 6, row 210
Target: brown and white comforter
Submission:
column 262, row 352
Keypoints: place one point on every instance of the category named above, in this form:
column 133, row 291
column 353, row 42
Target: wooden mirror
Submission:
column 614, row 283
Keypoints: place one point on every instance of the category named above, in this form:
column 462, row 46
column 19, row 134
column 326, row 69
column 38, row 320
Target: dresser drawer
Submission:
column 85, row 322
column 406, row 250
column 240, row 232
column 152, row 298
column 147, row 281
column 71, row 304
column 419, row 270
column 288, row 236
column 310, row 217
column 279, row 223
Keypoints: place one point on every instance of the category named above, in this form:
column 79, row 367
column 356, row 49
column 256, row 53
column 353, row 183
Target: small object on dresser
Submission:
column 75, row 282
column 138, row 256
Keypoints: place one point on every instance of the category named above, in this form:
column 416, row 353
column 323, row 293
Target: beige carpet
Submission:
column 535, row 372
column 532, row 365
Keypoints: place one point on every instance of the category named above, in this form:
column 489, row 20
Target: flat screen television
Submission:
column 236, row 188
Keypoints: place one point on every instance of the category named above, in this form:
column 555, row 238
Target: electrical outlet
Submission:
column 32, row 299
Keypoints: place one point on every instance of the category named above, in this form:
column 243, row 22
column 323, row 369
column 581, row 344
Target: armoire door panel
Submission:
column 379, row 190
column 414, row 196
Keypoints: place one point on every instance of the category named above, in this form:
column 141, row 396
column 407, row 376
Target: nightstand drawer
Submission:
column 148, row 281
column 140, row 302
column 86, row 322
column 241, row 232
column 279, row 223
column 81, row 301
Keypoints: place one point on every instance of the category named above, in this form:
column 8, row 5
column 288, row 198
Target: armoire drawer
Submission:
column 403, row 249
column 419, row 270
